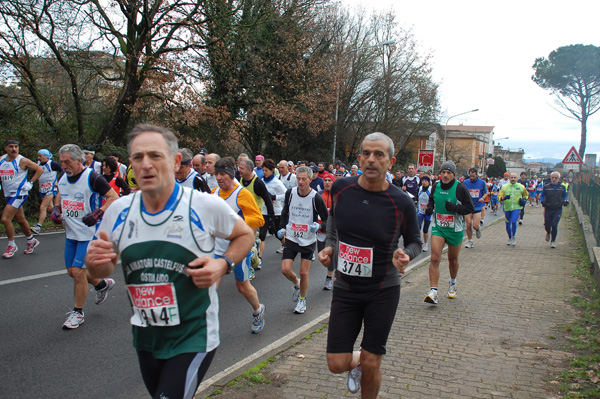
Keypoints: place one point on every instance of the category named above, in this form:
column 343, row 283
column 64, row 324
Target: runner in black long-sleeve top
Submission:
column 367, row 218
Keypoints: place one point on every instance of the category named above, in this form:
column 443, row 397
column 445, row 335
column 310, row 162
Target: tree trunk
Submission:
column 115, row 128
column 584, row 117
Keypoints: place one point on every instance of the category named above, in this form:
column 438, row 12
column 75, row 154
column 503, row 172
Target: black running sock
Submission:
column 78, row 310
column 100, row 285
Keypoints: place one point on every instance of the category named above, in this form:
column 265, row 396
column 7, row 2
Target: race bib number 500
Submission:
column 355, row 261
column 154, row 305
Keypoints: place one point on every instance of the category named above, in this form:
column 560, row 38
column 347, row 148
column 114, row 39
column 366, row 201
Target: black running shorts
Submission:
column 349, row 309
column 177, row 377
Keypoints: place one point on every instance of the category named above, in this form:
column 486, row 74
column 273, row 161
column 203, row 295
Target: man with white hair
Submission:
column 186, row 176
column 553, row 198
column 77, row 203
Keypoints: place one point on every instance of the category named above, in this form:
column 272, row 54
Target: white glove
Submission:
column 27, row 186
column 280, row 234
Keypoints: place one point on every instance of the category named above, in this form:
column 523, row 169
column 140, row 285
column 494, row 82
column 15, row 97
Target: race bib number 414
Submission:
column 355, row 261
column 154, row 305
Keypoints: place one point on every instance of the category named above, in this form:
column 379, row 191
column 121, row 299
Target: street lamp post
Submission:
column 446, row 129
column 337, row 98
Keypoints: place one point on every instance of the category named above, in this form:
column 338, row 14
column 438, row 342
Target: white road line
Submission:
column 34, row 277
column 243, row 363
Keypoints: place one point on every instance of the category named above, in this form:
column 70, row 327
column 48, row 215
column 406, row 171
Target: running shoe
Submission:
column 495, row 213
column 353, row 380
column 469, row 244
column 313, row 257
column 11, row 250
column 478, row 233
column 258, row 321
column 37, row 229
column 300, row 306
column 481, row 221
column 513, row 241
column 432, row 296
column 31, row 244
column 509, row 241
column 553, row 244
column 452, row 289
column 102, row 294
column 74, row 320
column 296, row 293
column 520, row 221
column 547, row 237
column 328, row 285
column 425, row 247
column 252, row 274
column 280, row 250
column 537, row 206
column 258, row 266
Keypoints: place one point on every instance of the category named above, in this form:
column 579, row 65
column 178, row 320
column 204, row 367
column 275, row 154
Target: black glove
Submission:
column 428, row 211
column 543, row 204
column 450, row 207
column 566, row 203
column 323, row 227
column 273, row 197
column 522, row 202
column 92, row 218
column 506, row 197
column 271, row 229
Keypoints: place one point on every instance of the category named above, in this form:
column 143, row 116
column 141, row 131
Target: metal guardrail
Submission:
column 588, row 195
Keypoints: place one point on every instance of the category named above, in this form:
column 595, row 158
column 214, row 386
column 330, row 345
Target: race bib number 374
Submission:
column 154, row 305
column 355, row 261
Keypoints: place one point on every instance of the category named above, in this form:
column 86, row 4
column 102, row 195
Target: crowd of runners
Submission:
column 180, row 220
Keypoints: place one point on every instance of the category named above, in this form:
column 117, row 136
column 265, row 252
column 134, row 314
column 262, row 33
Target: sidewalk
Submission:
column 494, row 340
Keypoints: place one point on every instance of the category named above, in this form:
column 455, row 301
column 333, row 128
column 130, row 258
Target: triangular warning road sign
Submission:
column 572, row 157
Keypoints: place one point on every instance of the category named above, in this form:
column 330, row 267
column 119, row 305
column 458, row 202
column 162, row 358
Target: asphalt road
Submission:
column 41, row 360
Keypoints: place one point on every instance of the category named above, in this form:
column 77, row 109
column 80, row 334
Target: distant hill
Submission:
column 553, row 161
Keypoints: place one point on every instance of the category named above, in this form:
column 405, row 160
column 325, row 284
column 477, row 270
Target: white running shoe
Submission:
column 432, row 296
column 353, row 380
column 37, row 229
column 258, row 321
column 300, row 306
column 328, row 285
column 547, row 237
column 478, row 233
column 469, row 244
column 102, row 295
column 425, row 247
column 280, row 250
column 481, row 222
column 509, row 241
column 513, row 241
column 31, row 244
column 452, row 290
column 553, row 244
column 11, row 250
column 74, row 320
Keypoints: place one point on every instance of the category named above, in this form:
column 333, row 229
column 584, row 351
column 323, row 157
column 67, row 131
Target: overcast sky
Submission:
column 483, row 54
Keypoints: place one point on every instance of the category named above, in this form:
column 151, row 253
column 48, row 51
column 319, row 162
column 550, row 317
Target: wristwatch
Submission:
column 230, row 264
